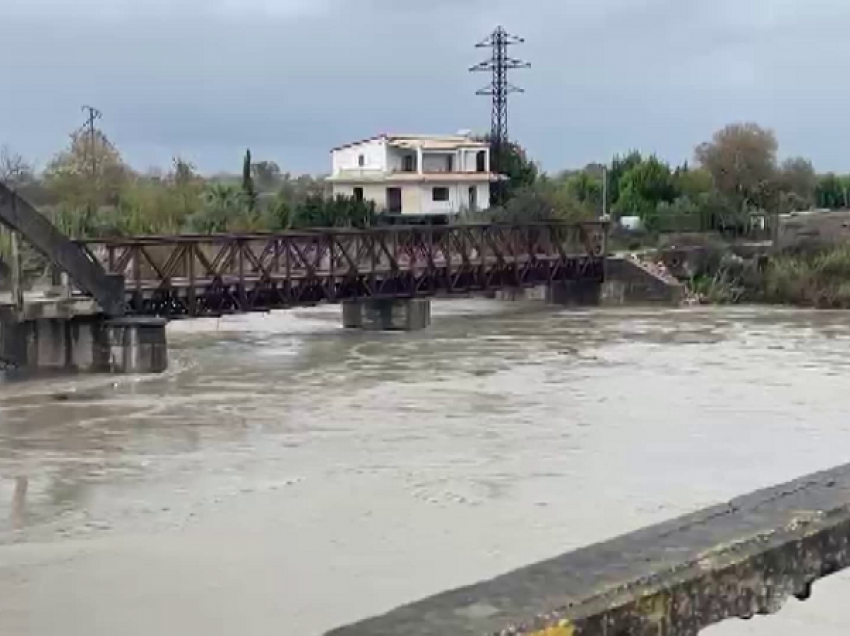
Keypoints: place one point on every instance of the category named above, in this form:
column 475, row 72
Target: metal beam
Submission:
column 736, row 560
column 38, row 231
column 187, row 276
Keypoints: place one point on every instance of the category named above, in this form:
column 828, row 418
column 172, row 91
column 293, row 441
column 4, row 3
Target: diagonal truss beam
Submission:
column 19, row 215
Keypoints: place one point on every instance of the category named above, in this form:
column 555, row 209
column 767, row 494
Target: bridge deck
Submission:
column 184, row 276
column 735, row 560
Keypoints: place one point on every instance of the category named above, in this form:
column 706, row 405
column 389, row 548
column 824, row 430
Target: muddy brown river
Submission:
column 286, row 476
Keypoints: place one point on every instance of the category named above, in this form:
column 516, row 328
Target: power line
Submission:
column 498, row 65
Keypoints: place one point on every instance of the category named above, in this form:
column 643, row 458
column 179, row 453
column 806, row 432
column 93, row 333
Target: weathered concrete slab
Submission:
column 740, row 559
column 38, row 306
column 629, row 282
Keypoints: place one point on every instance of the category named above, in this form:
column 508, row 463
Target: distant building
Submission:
column 415, row 174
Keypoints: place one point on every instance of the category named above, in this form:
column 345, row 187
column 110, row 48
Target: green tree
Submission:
column 339, row 211
column 832, row 192
column 619, row 167
column 249, row 192
column 223, row 205
column 520, row 172
column 279, row 214
column 643, row 187
column 585, row 188
column 798, row 184
column 692, row 182
column 267, row 175
column 741, row 159
column 187, row 186
column 82, row 177
column 546, row 200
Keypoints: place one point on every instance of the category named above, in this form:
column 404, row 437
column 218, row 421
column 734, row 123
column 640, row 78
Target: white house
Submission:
column 415, row 174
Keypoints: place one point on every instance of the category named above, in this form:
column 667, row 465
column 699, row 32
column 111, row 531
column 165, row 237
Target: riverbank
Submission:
column 717, row 273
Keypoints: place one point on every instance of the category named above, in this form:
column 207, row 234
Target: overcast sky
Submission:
column 205, row 79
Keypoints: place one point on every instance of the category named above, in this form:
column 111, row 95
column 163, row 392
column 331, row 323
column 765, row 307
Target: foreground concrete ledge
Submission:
column 740, row 559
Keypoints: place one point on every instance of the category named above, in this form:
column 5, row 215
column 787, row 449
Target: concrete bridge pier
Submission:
column 134, row 345
column 389, row 314
column 519, row 294
column 85, row 344
column 579, row 293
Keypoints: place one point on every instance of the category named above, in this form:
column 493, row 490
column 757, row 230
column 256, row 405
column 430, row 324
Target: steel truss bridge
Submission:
column 187, row 276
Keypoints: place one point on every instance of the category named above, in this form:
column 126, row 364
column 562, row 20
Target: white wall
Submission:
column 470, row 159
column 374, row 154
column 458, row 197
column 380, row 157
column 419, row 198
column 371, row 192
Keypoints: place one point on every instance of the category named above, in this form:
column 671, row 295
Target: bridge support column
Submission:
column 85, row 344
column 396, row 314
column 52, row 343
column 577, row 293
column 135, row 345
column 519, row 294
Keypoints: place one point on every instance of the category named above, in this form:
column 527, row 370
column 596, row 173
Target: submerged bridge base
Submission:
column 392, row 314
column 578, row 293
column 83, row 343
column 737, row 560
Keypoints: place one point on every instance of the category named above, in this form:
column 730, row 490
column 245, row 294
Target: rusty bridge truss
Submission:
column 186, row 276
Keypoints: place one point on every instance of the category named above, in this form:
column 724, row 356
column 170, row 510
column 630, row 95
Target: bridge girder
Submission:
column 22, row 217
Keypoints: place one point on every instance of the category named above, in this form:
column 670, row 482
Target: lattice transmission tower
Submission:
column 498, row 65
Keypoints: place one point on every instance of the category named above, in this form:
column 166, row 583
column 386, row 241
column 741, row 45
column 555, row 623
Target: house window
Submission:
column 408, row 163
column 440, row 194
column 358, row 194
column 361, row 161
column 481, row 161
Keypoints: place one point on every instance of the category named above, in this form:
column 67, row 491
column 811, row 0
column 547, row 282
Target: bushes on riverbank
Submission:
column 819, row 279
column 814, row 279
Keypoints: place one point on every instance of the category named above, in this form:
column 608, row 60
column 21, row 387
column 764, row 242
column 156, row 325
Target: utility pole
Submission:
column 604, row 192
column 93, row 115
column 499, row 88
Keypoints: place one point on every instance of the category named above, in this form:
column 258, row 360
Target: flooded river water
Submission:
column 286, row 476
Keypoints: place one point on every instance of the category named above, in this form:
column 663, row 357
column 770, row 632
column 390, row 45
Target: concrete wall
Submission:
column 374, row 154
column 417, row 198
column 736, row 560
column 413, row 200
column 626, row 282
column 469, row 159
column 375, row 192
column 811, row 230
column 458, row 197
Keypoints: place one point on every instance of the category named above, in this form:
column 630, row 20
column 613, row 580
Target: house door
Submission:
column 394, row 200
column 473, row 198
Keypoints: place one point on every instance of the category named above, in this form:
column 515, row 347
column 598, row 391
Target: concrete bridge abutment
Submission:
column 574, row 293
column 392, row 314
column 85, row 344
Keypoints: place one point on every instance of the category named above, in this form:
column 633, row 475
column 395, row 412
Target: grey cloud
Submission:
column 292, row 78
